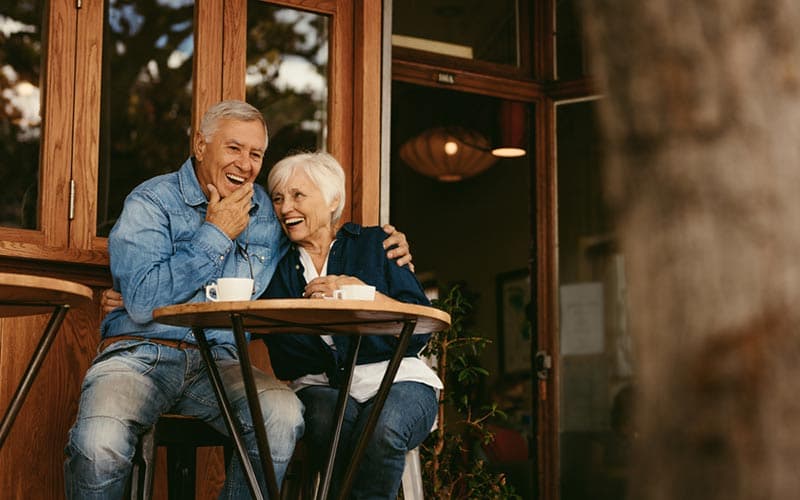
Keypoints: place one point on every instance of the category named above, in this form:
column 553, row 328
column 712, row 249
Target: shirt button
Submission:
column 221, row 257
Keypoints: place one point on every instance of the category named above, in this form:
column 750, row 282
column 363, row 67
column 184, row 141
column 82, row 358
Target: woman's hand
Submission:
column 110, row 300
column 325, row 285
column 401, row 251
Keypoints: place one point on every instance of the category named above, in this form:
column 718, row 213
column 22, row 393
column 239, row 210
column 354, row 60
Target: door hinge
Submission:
column 71, row 199
column 78, row 4
column 542, row 363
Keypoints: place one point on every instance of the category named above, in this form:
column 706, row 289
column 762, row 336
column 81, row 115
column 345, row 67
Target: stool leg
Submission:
column 412, row 476
column 181, row 462
column 141, row 482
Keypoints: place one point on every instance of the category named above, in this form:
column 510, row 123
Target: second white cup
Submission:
column 228, row 289
column 355, row 292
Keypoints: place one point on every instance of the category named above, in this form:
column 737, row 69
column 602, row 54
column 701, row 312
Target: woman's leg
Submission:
column 405, row 422
column 320, row 403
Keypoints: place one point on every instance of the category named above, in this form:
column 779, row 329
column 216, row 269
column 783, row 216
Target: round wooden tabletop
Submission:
column 307, row 316
column 25, row 294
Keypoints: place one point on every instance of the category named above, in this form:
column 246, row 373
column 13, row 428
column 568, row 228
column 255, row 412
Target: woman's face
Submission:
column 302, row 211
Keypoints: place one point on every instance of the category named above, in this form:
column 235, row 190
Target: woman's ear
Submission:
column 334, row 204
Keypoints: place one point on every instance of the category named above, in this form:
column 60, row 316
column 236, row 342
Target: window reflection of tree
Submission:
column 146, row 97
column 293, row 101
column 20, row 123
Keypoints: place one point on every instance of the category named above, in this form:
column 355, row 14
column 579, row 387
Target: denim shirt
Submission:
column 358, row 251
column 163, row 252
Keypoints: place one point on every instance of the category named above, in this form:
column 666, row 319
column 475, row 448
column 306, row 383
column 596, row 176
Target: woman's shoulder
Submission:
column 357, row 231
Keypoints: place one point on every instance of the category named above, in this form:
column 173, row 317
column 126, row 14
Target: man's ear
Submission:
column 199, row 146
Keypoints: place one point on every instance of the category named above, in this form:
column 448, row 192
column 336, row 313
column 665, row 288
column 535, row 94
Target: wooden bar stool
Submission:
column 181, row 436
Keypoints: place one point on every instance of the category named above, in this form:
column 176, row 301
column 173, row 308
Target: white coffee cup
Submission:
column 227, row 289
column 355, row 292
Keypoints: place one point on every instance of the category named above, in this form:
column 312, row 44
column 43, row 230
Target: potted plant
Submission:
column 451, row 469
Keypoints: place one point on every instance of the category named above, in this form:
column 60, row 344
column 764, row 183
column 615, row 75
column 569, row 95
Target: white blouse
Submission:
column 367, row 377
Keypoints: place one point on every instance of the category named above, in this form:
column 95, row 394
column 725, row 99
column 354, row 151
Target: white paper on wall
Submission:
column 582, row 318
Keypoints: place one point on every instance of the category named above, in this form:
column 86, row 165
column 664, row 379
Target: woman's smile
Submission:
column 305, row 216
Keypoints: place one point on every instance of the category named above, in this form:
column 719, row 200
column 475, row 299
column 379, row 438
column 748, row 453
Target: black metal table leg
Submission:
column 56, row 318
column 377, row 407
column 341, row 407
column 255, row 406
column 227, row 413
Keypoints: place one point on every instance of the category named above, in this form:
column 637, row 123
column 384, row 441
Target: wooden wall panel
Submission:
column 58, row 110
column 234, row 39
column 31, row 460
column 207, row 79
column 86, row 142
column 365, row 180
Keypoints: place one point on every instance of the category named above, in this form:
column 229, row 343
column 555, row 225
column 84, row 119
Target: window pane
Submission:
column 21, row 60
column 470, row 29
column 570, row 63
column 596, row 365
column 287, row 77
column 146, row 97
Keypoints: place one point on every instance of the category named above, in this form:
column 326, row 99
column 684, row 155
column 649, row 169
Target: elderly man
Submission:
column 177, row 233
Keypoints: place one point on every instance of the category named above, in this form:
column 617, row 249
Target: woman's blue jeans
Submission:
column 405, row 421
column 132, row 382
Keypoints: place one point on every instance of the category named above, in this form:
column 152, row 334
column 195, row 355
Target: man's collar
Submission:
column 193, row 195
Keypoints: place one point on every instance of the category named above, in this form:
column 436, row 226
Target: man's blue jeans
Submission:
column 405, row 422
column 132, row 382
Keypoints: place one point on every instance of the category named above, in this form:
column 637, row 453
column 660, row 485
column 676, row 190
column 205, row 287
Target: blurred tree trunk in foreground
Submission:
column 701, row 118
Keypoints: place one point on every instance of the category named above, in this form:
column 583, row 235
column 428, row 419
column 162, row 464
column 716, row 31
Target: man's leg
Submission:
column 405, row 422
column 282, row 411
column 125, row 390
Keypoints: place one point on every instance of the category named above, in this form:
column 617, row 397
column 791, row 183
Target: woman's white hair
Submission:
column 322, row 168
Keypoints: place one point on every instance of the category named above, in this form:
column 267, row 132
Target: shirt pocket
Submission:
column 261, row 258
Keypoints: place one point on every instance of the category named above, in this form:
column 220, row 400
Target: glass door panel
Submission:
column 595, row 359
column 146, row 100
column 484, row 211
column 22, row 56
column 287, row 76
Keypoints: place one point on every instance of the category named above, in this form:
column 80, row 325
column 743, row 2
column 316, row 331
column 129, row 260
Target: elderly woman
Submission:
column 308, row 194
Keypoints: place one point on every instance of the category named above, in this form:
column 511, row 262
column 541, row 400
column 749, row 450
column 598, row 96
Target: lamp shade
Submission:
column 448, row 154
column 512, row 126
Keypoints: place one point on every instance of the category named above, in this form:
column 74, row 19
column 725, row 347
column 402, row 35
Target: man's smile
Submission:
column 235, row 179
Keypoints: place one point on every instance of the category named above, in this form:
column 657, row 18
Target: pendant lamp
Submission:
column 512, row 126
column 448, row 154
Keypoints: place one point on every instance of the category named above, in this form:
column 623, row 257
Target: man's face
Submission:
column 232, row 156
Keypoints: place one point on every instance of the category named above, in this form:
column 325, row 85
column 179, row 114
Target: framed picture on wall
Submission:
column 513, row 326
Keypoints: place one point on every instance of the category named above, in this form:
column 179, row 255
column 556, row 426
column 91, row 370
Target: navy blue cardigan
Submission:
column 358, row 251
